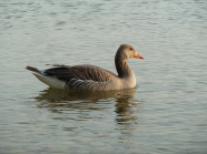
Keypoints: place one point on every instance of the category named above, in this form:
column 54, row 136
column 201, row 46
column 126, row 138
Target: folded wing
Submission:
column 82, row 77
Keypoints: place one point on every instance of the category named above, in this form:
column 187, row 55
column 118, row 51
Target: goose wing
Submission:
column 82, row 77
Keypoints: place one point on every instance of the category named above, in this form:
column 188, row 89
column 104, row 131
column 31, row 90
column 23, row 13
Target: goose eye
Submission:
column 130, row 48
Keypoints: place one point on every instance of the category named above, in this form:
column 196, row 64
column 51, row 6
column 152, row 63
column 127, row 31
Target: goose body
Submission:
column 89, row 77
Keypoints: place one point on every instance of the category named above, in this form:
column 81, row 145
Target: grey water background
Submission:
column 166, row 113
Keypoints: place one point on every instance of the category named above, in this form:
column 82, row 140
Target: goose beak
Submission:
column 138, row 56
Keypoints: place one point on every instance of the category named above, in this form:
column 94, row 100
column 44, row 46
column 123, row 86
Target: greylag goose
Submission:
column 89, row 77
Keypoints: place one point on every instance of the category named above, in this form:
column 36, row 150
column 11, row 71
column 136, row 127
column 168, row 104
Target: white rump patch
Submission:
column 51, row 81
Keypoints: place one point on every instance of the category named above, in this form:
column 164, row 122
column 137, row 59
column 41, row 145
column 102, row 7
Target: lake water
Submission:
column 166, row 113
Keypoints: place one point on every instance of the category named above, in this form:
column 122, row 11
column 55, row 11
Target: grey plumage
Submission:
column 82, row 77
column 92, row 78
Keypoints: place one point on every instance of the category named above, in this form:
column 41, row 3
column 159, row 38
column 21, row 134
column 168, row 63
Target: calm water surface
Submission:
column 166, row 113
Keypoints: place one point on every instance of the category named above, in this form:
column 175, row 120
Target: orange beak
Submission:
column 138, row 56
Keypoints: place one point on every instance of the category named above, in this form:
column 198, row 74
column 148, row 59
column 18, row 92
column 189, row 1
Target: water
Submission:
column 167, row 111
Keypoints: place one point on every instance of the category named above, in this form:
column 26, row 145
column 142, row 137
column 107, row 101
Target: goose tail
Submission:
column 33, row 69
column 50, row 81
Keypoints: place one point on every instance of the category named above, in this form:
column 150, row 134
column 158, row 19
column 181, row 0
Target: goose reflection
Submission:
column 124, row 110
column 65, row 101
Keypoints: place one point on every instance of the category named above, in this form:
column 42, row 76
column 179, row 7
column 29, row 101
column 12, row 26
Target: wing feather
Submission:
column 82, row 77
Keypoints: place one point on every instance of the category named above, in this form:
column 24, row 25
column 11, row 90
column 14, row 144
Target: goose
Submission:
column 90, row 77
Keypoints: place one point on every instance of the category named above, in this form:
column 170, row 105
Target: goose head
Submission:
column 127, row 51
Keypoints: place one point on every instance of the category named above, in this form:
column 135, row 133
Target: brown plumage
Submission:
column 89, row 77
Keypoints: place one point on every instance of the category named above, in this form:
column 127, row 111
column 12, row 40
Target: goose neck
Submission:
column 122, row 68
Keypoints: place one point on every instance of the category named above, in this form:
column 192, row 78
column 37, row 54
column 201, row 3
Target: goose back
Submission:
column 83, row 77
